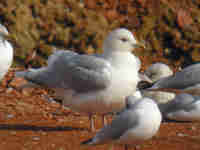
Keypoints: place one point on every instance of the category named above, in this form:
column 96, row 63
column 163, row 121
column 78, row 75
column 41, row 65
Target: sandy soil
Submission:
column 29, row 122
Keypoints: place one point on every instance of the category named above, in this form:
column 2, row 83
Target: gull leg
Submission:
column 125, row 147
column 92, row 128
column 110, row 147
column 105, row 122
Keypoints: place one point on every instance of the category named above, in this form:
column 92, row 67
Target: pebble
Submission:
column 43, row 133
column 137, row 147
column 53, row 145
column 10, row 116
column 181, row 134
column 9, row 90
column 61, row 120
column 193, row 128
column 61, row 148
column 36, row 138
column 13, row 132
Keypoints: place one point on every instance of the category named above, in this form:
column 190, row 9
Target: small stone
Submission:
column 137, row 147
column 36, row 138
column 9, row 116
column 81, row 122
column 181, row 134
column 13, row 132
column 43, row 133
column 9, row 90
column 193, row 128
column 61, row 120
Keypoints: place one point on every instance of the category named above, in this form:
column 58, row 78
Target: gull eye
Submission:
column 123, row 39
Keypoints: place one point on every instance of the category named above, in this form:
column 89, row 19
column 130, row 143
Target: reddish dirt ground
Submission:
column 29, row 122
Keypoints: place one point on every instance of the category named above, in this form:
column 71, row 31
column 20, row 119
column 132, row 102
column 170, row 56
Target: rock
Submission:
column 181, row 134
column 36, row 138
column 10, row 116
column 184, row 19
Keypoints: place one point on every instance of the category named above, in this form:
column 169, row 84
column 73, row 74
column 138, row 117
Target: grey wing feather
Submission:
column 181, row 102
column 57, row 54
column 80, row 72
column 69, row 70
column 117, row 128
column 180, row 80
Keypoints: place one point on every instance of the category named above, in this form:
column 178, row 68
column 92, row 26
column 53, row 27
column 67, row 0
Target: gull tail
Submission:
column 36, row 76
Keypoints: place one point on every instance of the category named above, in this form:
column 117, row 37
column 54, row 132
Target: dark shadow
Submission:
column 165, row 120
column 23, row 127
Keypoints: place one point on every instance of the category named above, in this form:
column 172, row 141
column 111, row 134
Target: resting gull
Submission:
column 155, row 72
column 139, row 121
column 89, row 83
column 185, row 78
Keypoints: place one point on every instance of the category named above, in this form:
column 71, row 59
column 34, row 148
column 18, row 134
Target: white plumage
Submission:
column 6, row 55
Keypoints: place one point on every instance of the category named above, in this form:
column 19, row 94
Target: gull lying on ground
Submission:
column 6, row 55
column 139, row 121
column 184, row 107
column 89, row 83
column 185, row 78
column 155, row 72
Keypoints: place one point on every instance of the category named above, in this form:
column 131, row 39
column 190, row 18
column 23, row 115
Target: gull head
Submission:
column 3, row 32
column 120, row 40
column 157, row 71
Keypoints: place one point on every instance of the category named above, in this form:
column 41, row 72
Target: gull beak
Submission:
column 4, row 35
column 139, row 45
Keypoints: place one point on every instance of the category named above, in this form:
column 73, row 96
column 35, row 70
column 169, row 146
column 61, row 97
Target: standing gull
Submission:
column 139, row 121
column 89, row 83
column 155, row 72
column 6, row 55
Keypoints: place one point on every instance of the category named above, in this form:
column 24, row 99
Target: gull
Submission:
column 92, row 83
column 6, row 49
column 183, row 79
column 139, row 121
column 184, row 107
column 155, row 72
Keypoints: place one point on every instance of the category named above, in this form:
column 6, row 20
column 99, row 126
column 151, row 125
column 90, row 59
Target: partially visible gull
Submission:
column 89, row 83
column 155, row 72
column 184, row 107
column 185, row 78
column 6, row 55
column 139, row 121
